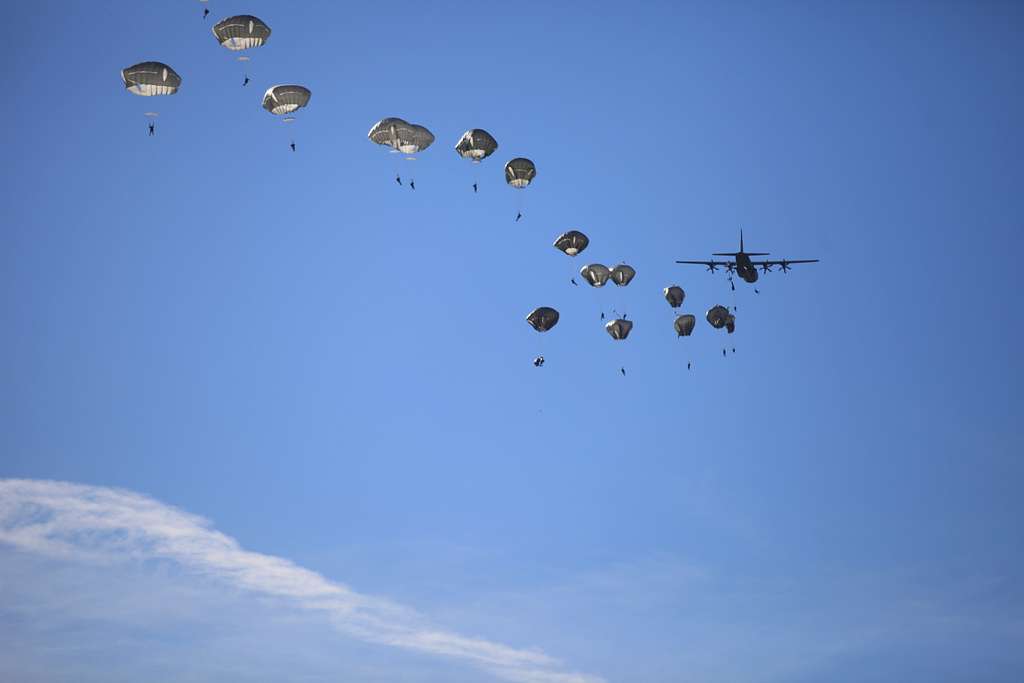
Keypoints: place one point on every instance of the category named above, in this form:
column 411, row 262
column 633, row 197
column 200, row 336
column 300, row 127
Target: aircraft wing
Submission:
column 709, row 264
column 766, row 266
column 783, row 261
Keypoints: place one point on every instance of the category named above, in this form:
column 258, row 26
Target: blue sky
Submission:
column 335, row 371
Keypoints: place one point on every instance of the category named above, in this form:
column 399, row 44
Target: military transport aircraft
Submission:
column 744, row 266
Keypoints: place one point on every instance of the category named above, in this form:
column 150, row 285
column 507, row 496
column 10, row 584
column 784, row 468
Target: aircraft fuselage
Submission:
column 745, row 269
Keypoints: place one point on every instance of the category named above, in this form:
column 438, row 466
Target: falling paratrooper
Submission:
column 542, row 319
column 149, row 79
column 402, row 137
column 242, row 32
column 284, row 100
column 519, row 173
column 476, row 145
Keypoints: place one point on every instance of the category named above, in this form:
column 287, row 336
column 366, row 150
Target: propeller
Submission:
column 712, row 267
column 730, row 267
column 766, row 267
column 784, row 264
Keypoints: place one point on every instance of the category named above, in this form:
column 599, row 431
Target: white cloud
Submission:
column 102, row 525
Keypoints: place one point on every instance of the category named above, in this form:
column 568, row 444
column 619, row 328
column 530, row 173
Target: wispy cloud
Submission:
column 104, row 525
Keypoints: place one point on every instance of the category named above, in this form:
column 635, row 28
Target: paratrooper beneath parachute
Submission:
column 149, row 79
column 674, row 295
column 519, row 173
column 595, row 274
column 282, row 100
column 476, row 145
column 571, row 243
column 401, row 136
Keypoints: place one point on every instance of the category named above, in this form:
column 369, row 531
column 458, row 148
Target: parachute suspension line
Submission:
column 396, row 163
column 412, row 176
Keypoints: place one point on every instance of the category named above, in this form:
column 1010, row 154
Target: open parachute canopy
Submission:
column 674, row 295
column 619, row 329
column 572, row 242
column 284, row 99
column 400, row 135
column 151, row 78
column 241, row 32
column 595, row 274
column 476, row 145
column 684, row 325
column 717, row 316
column 622, row 274
column 520, row 172
column 542, row 319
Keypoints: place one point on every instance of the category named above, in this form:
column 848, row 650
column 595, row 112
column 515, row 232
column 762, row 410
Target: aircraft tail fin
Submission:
column 741, row 251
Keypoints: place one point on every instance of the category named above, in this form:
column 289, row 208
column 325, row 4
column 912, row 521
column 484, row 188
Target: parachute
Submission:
column 674, row 295
column 520, row 172
column 151, row 78
column 542, row 319
column 622, row 274
column 422, row 138
column 572, row 242
column 619, row 329
column 284, row 99
column 241, row 32
column 400, row 135
column 476, row 145
column 596, row 274
column 684, row 325
column 717, row 316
